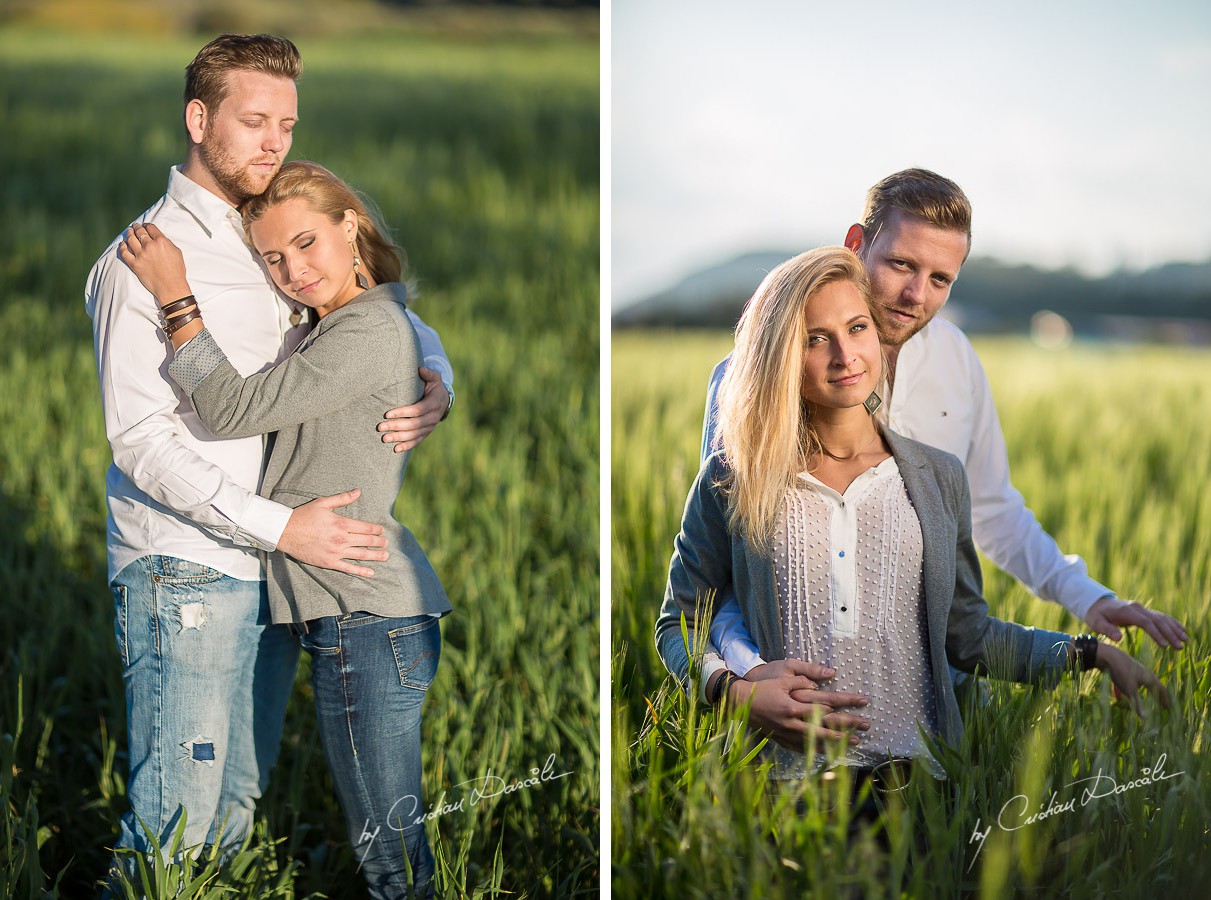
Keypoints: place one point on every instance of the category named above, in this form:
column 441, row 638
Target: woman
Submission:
column 847, row 544
column 374, row 642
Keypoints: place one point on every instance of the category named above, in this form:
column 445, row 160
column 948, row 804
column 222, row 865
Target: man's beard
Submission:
column 229, row 174
column 895, row 334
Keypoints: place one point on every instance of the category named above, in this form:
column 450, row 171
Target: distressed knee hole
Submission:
column 200, row 749
column 193, row 616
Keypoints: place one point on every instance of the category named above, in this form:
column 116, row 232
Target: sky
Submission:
column 1081, row 131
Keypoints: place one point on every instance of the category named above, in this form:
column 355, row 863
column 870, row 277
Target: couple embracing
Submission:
column 852, row 461
column 259, row 370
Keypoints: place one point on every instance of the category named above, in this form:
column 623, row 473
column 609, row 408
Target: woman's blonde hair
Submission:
column 330, row 196
column 764, row 428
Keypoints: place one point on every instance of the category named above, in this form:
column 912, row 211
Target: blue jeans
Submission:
column 207, row 681
column 370, row 675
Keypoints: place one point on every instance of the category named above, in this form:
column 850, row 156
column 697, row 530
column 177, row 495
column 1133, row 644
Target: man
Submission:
column 207, row 679
column 914, row 237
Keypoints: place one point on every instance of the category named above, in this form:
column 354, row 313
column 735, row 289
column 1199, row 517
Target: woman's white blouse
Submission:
column 848, row 570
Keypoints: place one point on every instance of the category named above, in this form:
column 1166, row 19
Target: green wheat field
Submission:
column 483, row 152
column 1111, row 446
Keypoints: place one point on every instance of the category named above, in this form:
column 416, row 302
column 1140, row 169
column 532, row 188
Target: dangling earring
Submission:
column 873, row 402
column 359, row 276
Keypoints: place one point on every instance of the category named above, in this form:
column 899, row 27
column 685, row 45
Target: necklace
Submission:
column 856, row 453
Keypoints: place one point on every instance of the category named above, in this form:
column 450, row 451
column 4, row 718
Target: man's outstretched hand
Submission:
column 1109, row 612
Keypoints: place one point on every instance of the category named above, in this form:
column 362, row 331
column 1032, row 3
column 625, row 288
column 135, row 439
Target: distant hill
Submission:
column 989, row 296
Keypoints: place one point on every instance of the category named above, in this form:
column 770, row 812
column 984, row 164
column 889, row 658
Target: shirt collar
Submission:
column 209, row 211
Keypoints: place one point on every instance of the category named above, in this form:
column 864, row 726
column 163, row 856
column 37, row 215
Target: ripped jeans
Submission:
column 207, row 682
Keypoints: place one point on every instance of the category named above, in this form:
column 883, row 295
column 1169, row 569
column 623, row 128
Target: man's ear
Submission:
column 855, row 237
column 195, row 119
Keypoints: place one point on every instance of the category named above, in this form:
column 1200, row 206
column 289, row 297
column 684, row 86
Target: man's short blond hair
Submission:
column 206, row 76
column 921, row 194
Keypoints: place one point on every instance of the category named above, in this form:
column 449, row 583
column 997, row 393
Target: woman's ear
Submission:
column 349, row 223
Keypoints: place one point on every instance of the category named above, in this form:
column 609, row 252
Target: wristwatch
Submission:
column 449, row 406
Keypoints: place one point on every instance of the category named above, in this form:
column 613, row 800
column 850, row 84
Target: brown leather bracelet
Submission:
column 177, row 305
column 181, row 321
column 167, row 320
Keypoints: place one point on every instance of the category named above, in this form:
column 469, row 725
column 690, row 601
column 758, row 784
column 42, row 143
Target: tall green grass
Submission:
column 1111, row 446
column 484, row 158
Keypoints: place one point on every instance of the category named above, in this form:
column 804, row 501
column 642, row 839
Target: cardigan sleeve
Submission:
column 360, row 353
column 976, row 640
column 699, row 572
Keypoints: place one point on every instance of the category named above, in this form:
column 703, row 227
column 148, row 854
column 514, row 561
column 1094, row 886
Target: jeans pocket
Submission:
column 417, row 650
column 121, row 610
column 169, row 570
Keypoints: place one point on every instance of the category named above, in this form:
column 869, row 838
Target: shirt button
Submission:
column 841, row 554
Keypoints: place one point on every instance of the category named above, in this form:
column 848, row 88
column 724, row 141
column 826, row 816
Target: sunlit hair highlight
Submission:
column 206, row 76
column 764, row 430
column 328, row 195
column 922, row 194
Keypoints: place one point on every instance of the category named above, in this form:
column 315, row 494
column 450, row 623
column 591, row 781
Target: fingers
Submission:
column 1157, row 690
column 365, row 532
column 833, row 715
column 825, row 736
column 1147, row 678
column 1172, row 630
column 139, row 233
column 795, row 733
column 336, row 501
column 429, row 376
column 1134, row 678
column 842, row 720
column 416, row 417
column 349, row 568
column 407, row 430
column 411, row 435
column 834, row 699
column 372, row 539
column 814, row 671
column 1104, row 627
column 1154, row 632
column 366, row 554
column 1165, row 630
column 130, row 245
